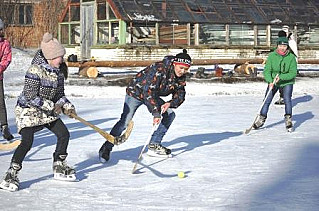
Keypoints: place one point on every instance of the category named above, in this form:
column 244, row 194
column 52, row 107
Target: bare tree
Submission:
column 27, row 21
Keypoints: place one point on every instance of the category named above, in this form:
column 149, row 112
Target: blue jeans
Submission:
column 131, row 104
column 287, row 93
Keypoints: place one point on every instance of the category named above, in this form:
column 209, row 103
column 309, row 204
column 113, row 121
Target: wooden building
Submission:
column 122, row 30
column 149, row 29
column 27, row 20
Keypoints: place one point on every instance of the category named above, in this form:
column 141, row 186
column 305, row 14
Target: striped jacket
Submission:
column 43, row 88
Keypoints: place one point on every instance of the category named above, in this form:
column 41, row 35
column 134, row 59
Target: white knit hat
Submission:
column 285, row 28
column 51, row 47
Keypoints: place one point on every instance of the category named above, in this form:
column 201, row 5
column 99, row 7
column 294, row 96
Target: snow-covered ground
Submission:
column 268, row 169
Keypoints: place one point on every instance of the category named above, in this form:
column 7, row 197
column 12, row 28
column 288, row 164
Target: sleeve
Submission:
column 291, row 67
column 268, row 70
column 60, row 97
column 178, row 97
column 150, row 92
column 6, row 58
column 31, row 92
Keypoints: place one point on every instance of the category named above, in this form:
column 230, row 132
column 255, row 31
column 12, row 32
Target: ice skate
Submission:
column 104, row 153
column 157, row 150
column 288, row 123
column 10, row 181
column 280, row 102
column 63, row 172
column 260, row 121
column 6, row 133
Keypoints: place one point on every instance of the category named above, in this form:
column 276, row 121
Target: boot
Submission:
column 62, row 171
column 260, row 121
column 105, row 152
column 157, row 150
column 288, row 123
column 280, row 101
column 10, row 181
column 6, row 132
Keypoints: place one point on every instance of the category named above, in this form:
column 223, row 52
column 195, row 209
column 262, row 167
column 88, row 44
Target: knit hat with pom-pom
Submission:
column 183, row 58
column 51, row 47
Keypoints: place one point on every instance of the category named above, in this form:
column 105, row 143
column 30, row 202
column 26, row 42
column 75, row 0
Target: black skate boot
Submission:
column 105, row 152
column 10, row 181
column 280, row 101
column 260, row 121
column 6, row 133
column 62, row 171
column 288, row 123
column 157, row 150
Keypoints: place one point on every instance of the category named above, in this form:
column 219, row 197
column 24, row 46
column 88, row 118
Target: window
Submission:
column 20, row 14
column 70, row 26
column 213, row 34
column 241, row 35
column 104, row 11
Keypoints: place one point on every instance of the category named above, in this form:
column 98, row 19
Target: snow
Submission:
column 269, row 169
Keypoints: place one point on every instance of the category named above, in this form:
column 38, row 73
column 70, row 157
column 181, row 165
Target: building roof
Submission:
column 219, row 11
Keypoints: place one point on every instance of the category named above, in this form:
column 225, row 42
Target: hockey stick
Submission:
column 106, row 135
column 154, row 128
column 251, row 127
column 6, row 146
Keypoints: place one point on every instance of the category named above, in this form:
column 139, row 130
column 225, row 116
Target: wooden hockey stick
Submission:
column 154, row 128
column 269, row 91
column 7, row 146
column 106, row 135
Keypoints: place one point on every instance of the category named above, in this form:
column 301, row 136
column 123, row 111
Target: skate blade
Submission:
column 102, row 160
column 153, row 154
column 9, row 187
column 67, row 178
column 290, row 130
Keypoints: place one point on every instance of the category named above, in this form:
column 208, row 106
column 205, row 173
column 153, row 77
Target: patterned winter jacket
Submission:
column 43, row 88
column 5, row 55
column 157, row 80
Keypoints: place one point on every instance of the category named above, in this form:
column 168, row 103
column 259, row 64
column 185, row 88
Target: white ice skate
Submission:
column 157, row 150
column 10, row 181
column 9, row 186
column 63, row 172
column 288, row 123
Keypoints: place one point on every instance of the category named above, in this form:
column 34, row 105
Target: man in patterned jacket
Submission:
column 162, row 78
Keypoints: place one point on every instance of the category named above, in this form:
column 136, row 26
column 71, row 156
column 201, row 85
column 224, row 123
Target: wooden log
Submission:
column 143, row 63
column 90, row 72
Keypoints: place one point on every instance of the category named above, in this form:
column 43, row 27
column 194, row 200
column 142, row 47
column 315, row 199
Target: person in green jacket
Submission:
column 280, row 72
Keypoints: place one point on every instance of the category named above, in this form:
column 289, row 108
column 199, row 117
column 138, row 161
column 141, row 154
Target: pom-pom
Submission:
column 47, row 37
column 184, row 51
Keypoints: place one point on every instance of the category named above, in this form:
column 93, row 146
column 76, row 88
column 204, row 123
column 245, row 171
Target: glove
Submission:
column 69, row 112
column 57, row 109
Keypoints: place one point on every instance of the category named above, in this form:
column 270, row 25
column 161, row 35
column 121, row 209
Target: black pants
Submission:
column 57, row 127
column 3, row 110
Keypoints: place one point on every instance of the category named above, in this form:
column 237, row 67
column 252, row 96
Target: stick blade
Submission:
column 9, row 145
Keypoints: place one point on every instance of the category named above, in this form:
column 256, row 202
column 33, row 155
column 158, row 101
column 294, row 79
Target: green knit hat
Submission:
column 282, row 41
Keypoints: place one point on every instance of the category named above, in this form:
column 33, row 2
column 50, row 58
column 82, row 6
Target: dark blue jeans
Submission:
column 131, row 104
column 287, row 94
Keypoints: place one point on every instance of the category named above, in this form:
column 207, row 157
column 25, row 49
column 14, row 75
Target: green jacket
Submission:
column 285, row 66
